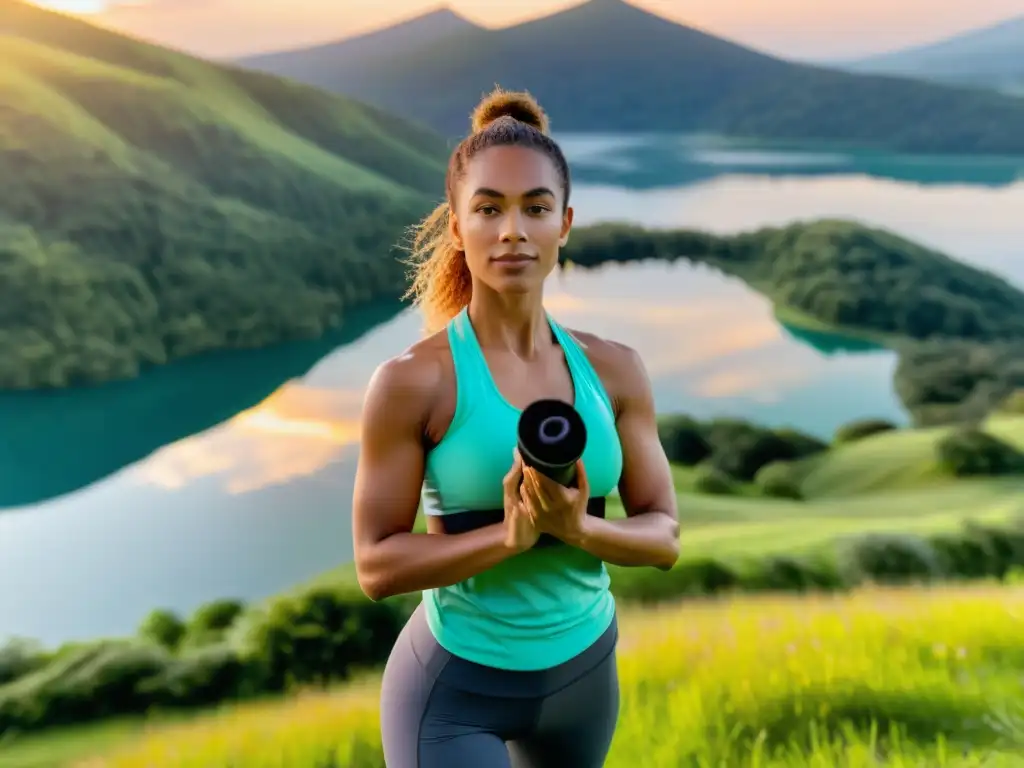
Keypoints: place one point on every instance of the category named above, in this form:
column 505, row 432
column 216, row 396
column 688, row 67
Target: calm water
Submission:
column 260, row 499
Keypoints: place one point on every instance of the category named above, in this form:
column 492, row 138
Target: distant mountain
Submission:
column 160, row 205
column 609, row 66
column 991, row 56
column 318, row 65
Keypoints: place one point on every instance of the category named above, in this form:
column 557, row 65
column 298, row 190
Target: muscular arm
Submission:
column 650, row 533
column 391, row 559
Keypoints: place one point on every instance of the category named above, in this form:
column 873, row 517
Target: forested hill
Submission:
column 609, row 66
column 165, row 205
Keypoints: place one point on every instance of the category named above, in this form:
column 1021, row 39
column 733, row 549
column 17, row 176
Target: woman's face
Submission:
column 508, row 218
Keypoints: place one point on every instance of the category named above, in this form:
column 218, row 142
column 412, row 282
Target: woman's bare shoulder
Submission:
column 619, row 365
column 412, row 380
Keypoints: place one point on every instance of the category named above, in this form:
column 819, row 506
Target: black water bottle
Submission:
column 552, row 437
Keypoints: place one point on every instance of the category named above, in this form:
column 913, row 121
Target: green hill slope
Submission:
column 609, row 66
column 167, row 206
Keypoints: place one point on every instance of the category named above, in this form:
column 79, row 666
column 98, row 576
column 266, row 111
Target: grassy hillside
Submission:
column 884, row 678
column 167, row 206
column 889, row 506
column 609, row 66
column 959, row 330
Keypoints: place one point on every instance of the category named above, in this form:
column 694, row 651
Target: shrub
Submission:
column 317, row 636
column 711, row 480
column 962, row 556
column 740, row 449
column 705, row 576
column 861, row 428
column 163, row 628
column 736, row 447
column 1003, row 546
column 87, row 684
column 19, row 657
column 780, row 573
column 888, row 558
column 801, row 445
column 683, row 440
column 208, row 675
column 778, row 481
column 972, row 452
column 211, row 621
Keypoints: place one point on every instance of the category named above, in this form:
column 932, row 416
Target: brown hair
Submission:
column 441, row 283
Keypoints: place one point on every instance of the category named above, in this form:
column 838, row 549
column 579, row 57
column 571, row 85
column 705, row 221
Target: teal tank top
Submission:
column 544, row 606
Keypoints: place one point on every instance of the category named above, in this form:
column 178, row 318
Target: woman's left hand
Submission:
column 555, row 509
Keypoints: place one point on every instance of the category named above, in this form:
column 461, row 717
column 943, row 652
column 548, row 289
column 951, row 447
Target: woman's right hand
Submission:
column 520, row 532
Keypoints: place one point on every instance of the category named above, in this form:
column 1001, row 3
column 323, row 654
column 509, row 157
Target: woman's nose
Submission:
column 512, row 229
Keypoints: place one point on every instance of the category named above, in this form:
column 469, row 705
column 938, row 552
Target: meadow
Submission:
column 718, row 672
column 879, row 677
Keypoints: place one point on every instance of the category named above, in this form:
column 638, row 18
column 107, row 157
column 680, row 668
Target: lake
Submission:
column 231, row 475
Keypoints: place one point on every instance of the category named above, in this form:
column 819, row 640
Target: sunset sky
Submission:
column 796, row 28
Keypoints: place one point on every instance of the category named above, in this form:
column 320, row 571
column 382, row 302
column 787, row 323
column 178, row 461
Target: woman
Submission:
column 509, row 660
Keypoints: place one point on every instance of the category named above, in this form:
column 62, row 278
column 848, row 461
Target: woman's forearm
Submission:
column 411, row 562
column 650, row 538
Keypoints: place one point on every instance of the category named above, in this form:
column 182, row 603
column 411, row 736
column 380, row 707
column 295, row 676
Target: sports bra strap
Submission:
column 470, row 520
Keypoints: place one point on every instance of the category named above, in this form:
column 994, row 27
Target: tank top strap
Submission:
column 583, row 373
column 470, row 365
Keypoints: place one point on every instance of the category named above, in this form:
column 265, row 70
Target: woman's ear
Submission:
column 566, row 227
column 454, row 231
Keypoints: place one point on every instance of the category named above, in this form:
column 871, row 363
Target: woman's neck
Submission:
column 516, row 322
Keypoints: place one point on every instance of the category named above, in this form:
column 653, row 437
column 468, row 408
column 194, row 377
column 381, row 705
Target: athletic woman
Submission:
column 509, row 660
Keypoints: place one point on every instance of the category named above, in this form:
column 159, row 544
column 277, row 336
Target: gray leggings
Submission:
column 441, row 711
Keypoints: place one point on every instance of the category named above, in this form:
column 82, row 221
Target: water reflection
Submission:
column 298, row 431
column 53, row 443
column 707, row 341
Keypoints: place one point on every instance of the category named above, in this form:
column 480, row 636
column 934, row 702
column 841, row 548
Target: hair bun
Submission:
column 518, row 105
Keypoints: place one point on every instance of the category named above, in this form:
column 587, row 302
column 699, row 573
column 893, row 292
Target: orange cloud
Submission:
column 296, row 432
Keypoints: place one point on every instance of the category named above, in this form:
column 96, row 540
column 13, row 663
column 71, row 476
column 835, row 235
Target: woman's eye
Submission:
column 538, row 209
column 485, row 209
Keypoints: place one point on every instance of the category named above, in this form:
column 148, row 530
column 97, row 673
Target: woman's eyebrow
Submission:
column 535, row 192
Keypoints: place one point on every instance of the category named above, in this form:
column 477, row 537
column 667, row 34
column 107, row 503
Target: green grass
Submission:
column 61, row 747
column 879, row 678
column 847, row 495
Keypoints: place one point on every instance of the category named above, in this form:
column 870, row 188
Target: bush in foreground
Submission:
column 713, row 481
column 778, row 481
column 734, row 447
column 972, row 452
column 315, row 637
column 974, row 552
column 892, row 678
